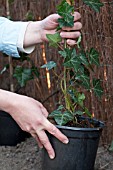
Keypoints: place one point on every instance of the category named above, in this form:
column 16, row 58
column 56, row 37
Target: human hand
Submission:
column 36, row 31
column 31, row 116
column 49, row 25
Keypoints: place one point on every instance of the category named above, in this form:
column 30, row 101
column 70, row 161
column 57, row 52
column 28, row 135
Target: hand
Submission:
column 36, row 31
column 49, row 25
column 31, row 116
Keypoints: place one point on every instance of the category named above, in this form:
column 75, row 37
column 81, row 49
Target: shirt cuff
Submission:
column 20, row 40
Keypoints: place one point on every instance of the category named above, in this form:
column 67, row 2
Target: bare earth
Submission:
column 27, row 156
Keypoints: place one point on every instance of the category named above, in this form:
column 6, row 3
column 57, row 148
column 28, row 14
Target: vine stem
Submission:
column 67, row 102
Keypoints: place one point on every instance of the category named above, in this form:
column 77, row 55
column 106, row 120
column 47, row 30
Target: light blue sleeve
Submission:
column 9, row 32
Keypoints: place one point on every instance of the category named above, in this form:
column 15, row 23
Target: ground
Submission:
column 27, row 156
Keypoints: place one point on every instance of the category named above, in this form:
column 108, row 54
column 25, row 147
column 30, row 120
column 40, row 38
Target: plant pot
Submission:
column 79, row 154
column 10, row 133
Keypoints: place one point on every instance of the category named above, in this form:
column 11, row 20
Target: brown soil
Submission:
column 27, row 156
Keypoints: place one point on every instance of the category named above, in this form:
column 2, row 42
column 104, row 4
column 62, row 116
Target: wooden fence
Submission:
column 97, row 32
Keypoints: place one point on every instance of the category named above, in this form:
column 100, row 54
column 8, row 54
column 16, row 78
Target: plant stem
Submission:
column 67, row 102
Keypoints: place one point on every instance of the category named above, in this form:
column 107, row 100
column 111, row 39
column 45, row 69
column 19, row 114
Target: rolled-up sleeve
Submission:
column 9, row 36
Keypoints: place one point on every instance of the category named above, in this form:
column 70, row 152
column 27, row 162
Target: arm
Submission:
column 30, row 114
column 36, row 31
column 23, row 36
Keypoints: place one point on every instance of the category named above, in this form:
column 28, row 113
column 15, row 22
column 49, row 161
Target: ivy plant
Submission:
column 77, row 66
column 22, row 73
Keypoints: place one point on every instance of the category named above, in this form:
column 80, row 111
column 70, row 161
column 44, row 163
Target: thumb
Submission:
column 54, row 17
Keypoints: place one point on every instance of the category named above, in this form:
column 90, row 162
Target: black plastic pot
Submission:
column 79, row 154
column 10, row 133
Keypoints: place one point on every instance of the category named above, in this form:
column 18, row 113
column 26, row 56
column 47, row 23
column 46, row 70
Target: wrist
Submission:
column 33, row 34
column 8, row 101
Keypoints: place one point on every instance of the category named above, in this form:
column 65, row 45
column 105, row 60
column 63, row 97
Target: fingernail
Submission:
column 66, row 141
column 62, row 34
column 52, row 156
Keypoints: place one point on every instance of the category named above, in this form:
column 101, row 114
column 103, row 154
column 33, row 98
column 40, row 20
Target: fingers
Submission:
column 38, row 140
column 45, row 141
column 54, row 17
column 70, row 35
column 71, row 42
column 56, row 132
column 66, row 31
column 77, row 26
column 77, row 16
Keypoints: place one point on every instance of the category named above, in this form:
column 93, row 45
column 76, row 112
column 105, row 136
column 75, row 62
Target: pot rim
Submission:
column 101, row 126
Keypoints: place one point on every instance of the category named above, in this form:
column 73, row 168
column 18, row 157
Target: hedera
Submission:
column 23, row 75
column 77, row 67
column 94, row 4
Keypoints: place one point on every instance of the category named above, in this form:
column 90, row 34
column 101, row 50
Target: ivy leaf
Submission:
column 97, row 87
column 94, row 4
column 60, row 117
column 49, row 65
column 63, row 53
column 81, row 98
column 54, row 39
column 84, row 79
column 65, row 23
column 94, row 57
column 83, row 58
column 22, row 75
column 72, row 60
column 65, row 11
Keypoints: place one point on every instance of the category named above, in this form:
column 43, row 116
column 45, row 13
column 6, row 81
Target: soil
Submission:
column 27, row 156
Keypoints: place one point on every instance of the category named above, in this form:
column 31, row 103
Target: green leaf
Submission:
column 67, row 23
column 49, row 65
column 77, row 97
column 23, row 75
column 94, row 56
column 73, row 95
column 84, row 79
column 63, row 53
column 61, row 117
column 72, row 60
column 94, row 4
column 65, row 11
column 83, row 58
column 97, row 87
column 54, row 39
column 81, row 98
